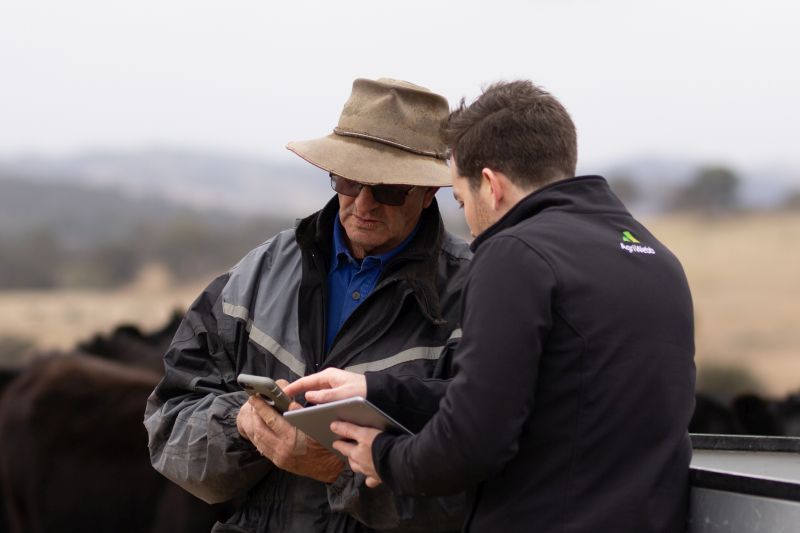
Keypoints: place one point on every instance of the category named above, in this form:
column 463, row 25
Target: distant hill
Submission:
column 292, row 188
column 59, row 234
column 200, row 179
column 238, row 185
column 658, row 181
column 78, row 215
column 96, row 218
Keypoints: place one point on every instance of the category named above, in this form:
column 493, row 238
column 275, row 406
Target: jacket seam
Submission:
column 560, row 313
column 539, row 253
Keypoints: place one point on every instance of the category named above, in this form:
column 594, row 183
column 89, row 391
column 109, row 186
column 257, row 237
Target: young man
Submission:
column 575, row 374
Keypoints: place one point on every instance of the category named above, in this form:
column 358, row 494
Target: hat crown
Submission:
column 397, row 113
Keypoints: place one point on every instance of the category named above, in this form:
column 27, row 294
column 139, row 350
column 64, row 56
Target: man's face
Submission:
column 476, row 204
column 374, row 228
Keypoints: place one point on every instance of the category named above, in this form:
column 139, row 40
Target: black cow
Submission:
column 6, row 376
column 747, row 414
column 73, row 454
column 712, row 416
column 73, row 450
column 128, row 345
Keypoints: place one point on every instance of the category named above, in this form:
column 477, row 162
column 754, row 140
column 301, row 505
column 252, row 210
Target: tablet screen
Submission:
column 316, row 420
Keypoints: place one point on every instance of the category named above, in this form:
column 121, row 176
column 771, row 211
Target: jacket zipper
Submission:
column 320, row 357
column 377, row 331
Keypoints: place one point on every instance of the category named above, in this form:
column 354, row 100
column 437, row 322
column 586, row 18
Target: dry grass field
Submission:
column 744, row 272
column 61, row 318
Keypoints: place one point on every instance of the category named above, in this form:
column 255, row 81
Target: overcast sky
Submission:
column 710, row 80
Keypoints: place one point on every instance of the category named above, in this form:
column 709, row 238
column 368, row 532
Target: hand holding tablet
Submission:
column 316, row 420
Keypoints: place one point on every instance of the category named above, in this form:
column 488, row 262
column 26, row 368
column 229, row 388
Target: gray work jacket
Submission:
column 266, row 316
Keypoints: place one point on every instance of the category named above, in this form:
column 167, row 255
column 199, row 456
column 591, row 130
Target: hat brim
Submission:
column 372, row 162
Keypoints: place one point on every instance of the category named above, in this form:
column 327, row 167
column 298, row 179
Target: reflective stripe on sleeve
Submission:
column 265, row 341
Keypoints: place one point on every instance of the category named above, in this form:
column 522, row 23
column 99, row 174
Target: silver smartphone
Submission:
column 267, row 389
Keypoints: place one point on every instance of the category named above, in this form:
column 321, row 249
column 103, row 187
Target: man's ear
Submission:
column 430, row 192
column 496, row 186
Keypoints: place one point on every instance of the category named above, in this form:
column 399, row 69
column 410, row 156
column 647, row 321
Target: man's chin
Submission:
column 367, row 244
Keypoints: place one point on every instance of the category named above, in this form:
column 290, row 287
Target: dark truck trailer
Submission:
column 744, row 484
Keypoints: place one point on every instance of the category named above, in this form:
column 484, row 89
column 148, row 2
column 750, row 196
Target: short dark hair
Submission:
column 516, row 128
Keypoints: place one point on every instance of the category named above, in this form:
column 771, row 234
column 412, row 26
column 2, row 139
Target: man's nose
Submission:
column 365, row 202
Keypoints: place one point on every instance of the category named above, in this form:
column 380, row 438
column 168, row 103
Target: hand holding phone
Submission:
column 267, row 388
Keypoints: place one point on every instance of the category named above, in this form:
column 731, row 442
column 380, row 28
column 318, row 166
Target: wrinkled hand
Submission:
column 329, row 385
column 286, row 446
column 358, row 453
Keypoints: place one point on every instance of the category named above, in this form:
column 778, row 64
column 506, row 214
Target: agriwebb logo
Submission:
column 635, row 247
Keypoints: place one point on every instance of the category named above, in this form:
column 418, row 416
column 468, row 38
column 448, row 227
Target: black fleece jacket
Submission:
column 574, row 379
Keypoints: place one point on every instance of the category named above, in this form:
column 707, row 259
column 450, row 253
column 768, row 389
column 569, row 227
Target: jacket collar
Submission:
column 586, row 194
column 416, row 264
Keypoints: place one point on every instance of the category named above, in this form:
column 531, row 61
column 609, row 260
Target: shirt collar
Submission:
column 341, row 253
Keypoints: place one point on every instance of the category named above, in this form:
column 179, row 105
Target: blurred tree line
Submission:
column 711, row 190
column 56, row 234
column 189, row 247
column 64, row 235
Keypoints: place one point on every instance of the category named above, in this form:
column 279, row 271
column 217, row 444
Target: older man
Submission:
column 371, row 283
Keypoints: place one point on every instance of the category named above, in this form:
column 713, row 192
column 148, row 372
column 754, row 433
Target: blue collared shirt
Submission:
column 350, row 281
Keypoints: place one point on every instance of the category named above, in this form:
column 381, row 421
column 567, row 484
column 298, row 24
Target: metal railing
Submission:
column 744, row 484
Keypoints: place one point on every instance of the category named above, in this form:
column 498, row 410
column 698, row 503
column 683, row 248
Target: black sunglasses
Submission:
column 385, row 194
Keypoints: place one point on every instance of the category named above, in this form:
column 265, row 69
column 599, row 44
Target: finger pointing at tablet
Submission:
column 329, row 385
column 358, row 449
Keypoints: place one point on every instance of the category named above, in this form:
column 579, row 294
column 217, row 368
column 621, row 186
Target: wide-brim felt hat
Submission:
column 390, row 132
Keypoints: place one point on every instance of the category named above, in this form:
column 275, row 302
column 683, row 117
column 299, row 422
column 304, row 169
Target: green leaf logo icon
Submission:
column 627, row 237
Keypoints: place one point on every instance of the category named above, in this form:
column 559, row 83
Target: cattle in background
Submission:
column 73, row 449
column 747, row 414
column 128, row 345
column 756, row 415
column 712, row 416
column 789, row 413
column 6, row 375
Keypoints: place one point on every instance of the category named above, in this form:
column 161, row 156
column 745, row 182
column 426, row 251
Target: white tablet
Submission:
column 316, row 420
